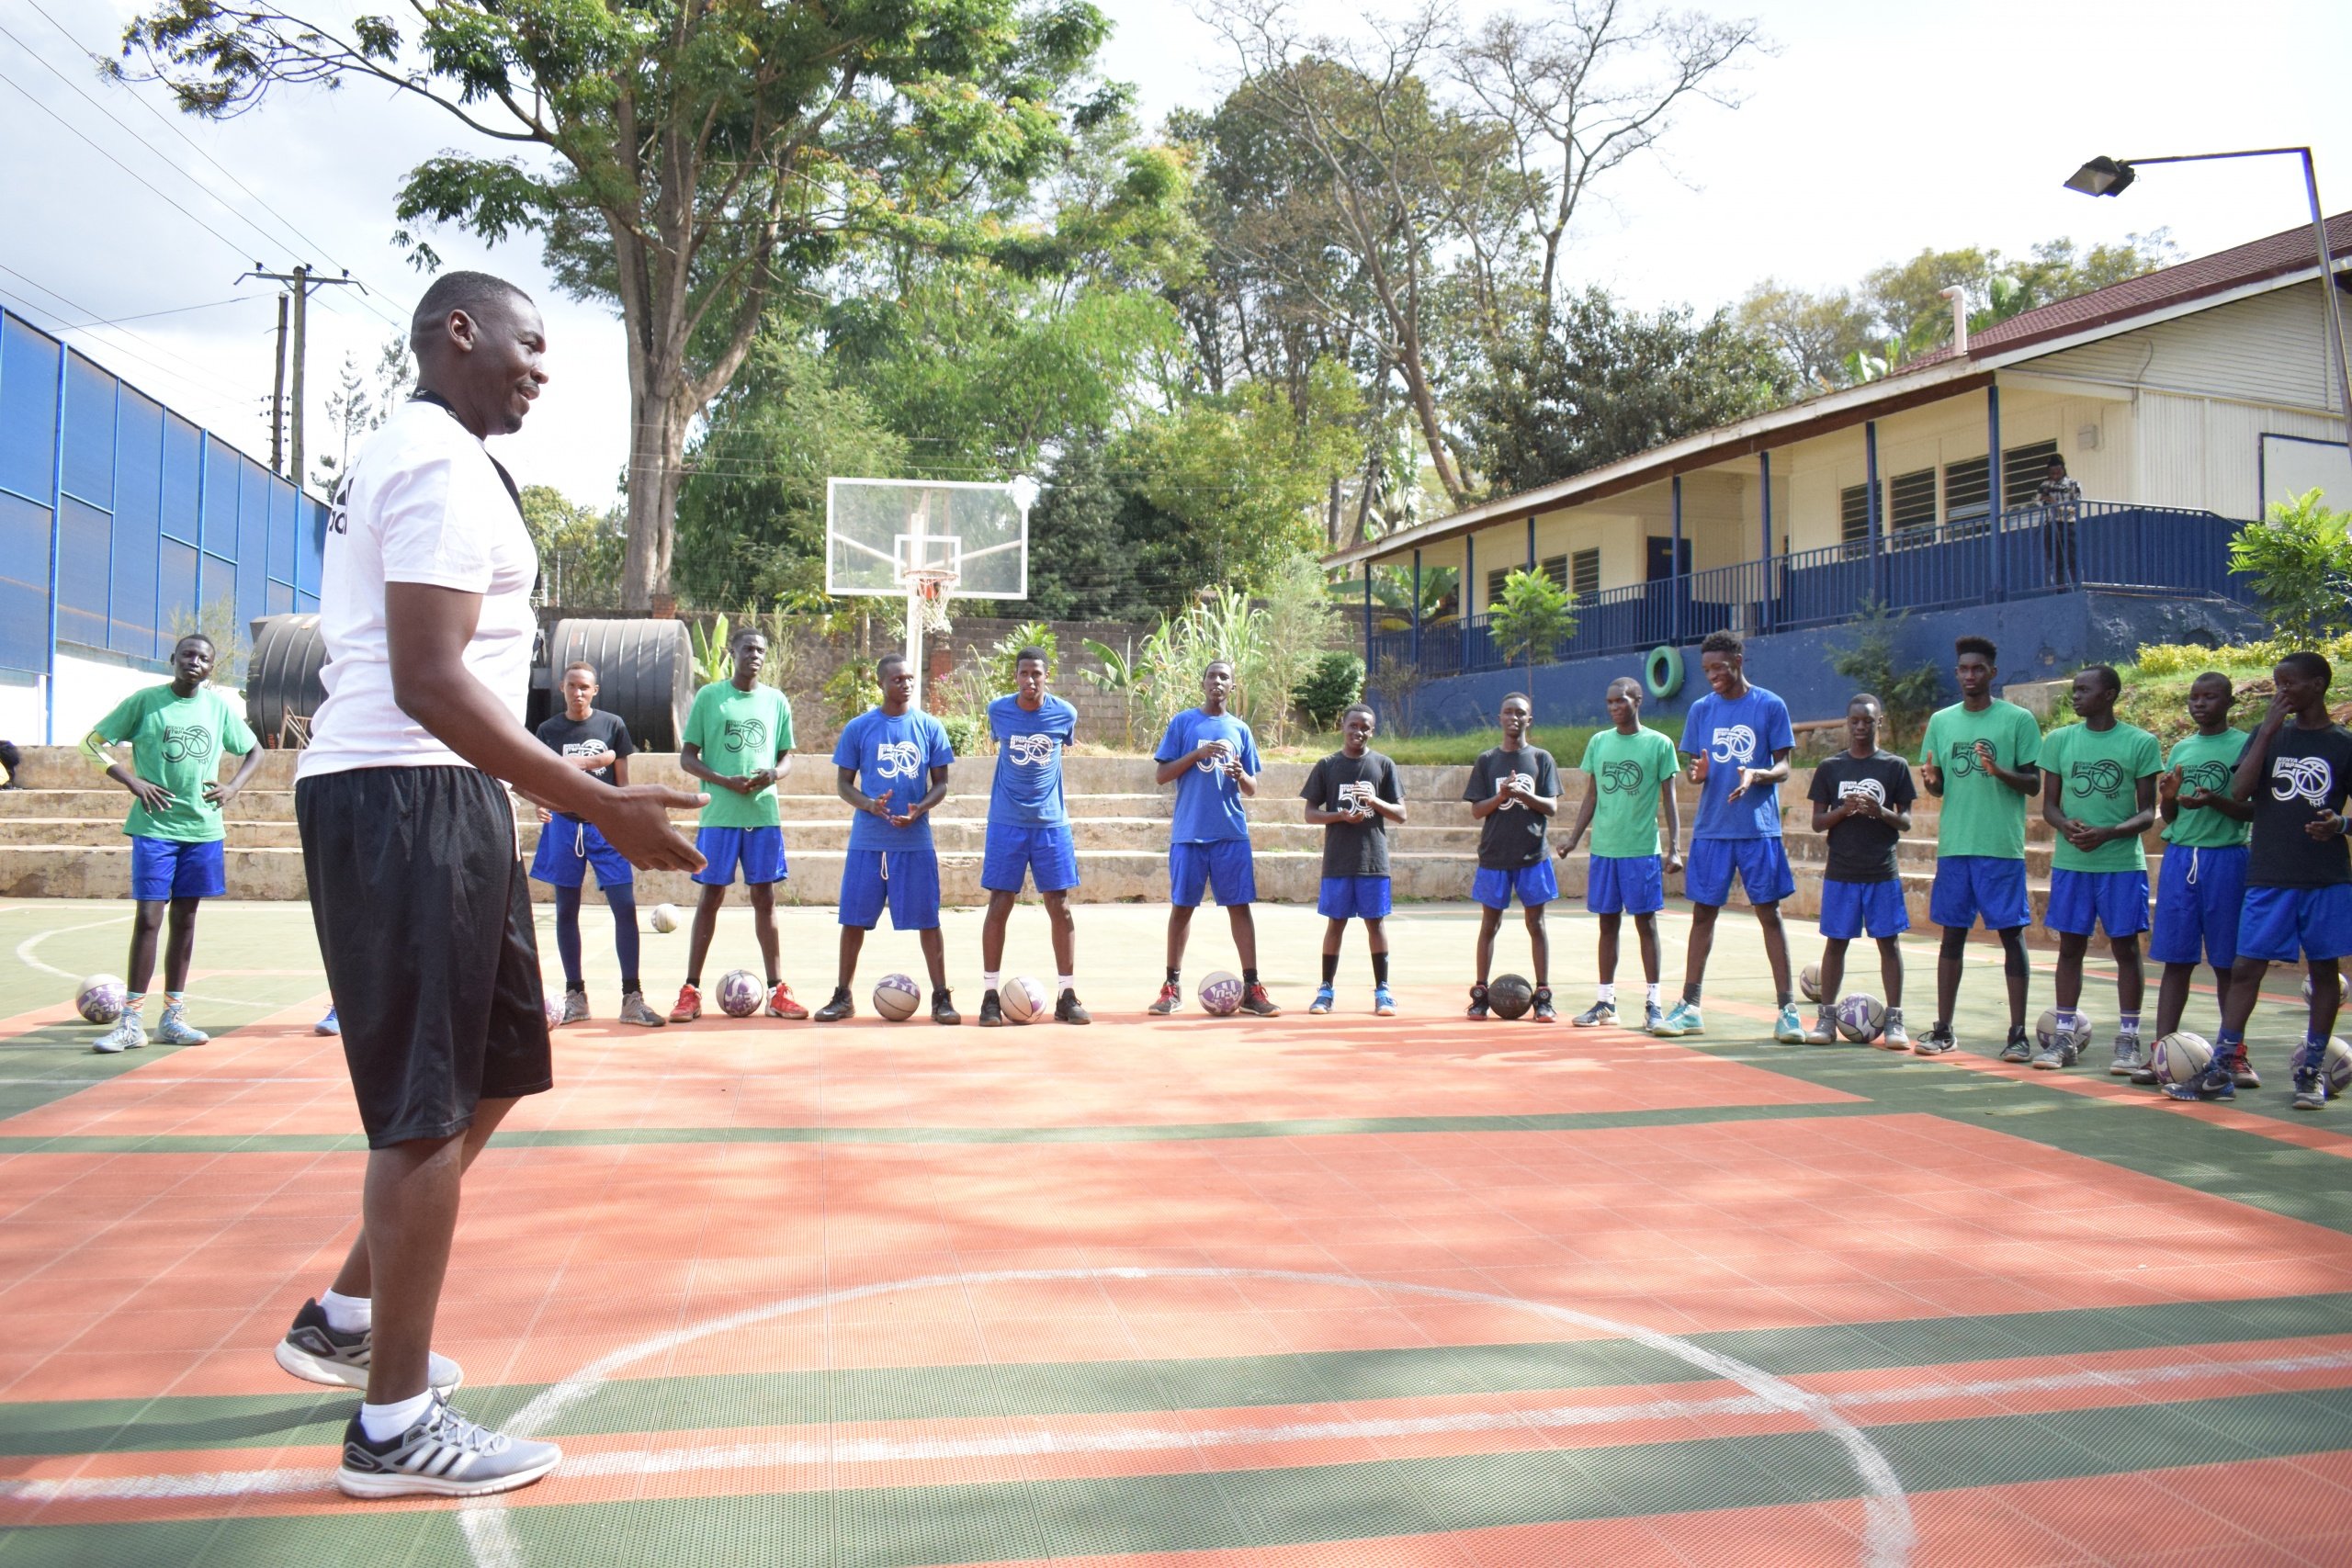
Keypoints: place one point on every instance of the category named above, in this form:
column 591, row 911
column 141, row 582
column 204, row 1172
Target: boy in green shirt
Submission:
column 738, row 740
column 2201, row 886
column 1629, row 771
column 2099, row 794
column 176, row 733
column 1978, row 757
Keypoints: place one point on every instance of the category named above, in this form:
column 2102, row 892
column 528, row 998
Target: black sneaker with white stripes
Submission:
column 315, row 1351
column 444, row 1455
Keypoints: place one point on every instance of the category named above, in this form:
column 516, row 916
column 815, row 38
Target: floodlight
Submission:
column 1023, row 490
column 2102, row 176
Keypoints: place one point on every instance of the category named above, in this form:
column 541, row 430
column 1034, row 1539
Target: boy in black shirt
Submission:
column 1513, row 791
column 1861, row 798
column 597, row 743
column 1354, row 795
column 2298, row 875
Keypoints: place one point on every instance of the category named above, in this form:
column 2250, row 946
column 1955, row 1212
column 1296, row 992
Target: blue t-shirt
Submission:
column 1208, row 803
column 1028, row 788
column 894, row 754
column 1732, row 736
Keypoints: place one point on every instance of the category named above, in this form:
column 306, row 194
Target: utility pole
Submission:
column 298, row 284
column 277, row 399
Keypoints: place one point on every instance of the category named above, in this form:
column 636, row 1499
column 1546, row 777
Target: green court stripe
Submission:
column 1176, row 1132
column 907, row 1526
column 899, row 1393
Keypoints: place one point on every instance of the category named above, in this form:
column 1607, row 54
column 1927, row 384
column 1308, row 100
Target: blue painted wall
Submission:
column 2039, row 638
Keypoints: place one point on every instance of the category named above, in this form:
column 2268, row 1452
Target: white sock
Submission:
column 1651, row 994
column 347, row 1315
column 1608, row 992
column 988, row 978
column 1065, row 983
column 2128, row 1024
column 381, row 1423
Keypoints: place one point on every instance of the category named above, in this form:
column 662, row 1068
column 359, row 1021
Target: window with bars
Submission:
column 2023, row 470
column 1911, row 508
column 1854, row 519
column 1584, row 573
column 1554, row 566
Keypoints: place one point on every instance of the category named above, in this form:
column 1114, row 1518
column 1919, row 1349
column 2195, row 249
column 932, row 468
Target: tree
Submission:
column 1081, row 560
column 1906, row 693
column 1609, row 383
column 359, row 405
column 1533, row 618
column 689, row 162
column 2299, row 562
column 1815, row 334
column 580, row 549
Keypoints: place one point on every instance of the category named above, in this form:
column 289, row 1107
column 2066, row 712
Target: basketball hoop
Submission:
column 924, row 542
column 927, row 590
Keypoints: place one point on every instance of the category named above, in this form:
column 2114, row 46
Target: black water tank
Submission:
column 645, row 673
column 282, row 677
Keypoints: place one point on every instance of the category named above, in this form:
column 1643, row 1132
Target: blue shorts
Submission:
column 1850, row 909
column 164, row 869
column 2200, row 894
column 1353, row 898
column 1970, row 886
column 1535, row 885
column 1763, row 870
column 2280, row 925
column 1014, row 853
column 759, row 850
column 1630, row 885
column 907, row 880
column 2117, row 900
column 1221, row 865
column 567, row 847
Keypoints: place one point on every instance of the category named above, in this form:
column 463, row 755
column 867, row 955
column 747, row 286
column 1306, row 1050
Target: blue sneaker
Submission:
column 1681, row 1020
column 327, row 1025
column 1383, row 1005
column 2213, row 1083
column 1651, row 1016
column 1788, row 1029
column 1323, row 1000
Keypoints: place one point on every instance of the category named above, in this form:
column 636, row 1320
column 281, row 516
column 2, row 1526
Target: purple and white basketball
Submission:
column 2182, row 1059
column 895, row 997
column 100, row 998
column 1220, row 994
column 552, row 1006
column 1023, row 1000
column 2337, row 1063
column 1861, row 1018
column 740, row 992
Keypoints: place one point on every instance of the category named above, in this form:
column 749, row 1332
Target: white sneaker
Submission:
column 328, row 1025
column 175, row 1030
column 128, row 1034
column 444, row 1455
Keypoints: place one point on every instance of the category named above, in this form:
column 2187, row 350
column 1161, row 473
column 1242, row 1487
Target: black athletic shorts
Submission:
column 424, row 917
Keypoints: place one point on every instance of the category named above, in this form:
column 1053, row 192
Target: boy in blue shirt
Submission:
column 1212, row 759
column 1738, row 738
column 884, row 756
column 1028, row 832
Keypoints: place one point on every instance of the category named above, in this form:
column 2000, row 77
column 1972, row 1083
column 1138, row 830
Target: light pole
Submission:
column 2108, row 177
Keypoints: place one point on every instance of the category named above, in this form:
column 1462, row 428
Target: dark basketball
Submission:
column 1511, row 995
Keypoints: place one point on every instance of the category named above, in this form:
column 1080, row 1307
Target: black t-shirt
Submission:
column 2304, row 772
column 1862, row 850
column 1512, row 836
column 600, row 731
column 1353, row 849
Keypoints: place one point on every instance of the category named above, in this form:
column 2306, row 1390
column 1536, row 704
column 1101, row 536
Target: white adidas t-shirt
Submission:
column 422, row 503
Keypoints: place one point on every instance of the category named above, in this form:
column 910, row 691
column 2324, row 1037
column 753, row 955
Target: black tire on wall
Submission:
column 645, row 671
column 282, row 674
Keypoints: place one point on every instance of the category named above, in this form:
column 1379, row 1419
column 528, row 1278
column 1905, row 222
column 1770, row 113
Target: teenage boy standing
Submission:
column 2200, row 889
column 1513, row 791
column 1862, row 799
column 1212, row 759
column 2099, row 794
column 1978, row 757
column 1028, row 832
column 1353, row 794
column 1739, row 738
column 598, row 742
column 1630, row 771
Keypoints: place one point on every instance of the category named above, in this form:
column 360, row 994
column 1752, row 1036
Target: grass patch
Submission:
column 1565, row 741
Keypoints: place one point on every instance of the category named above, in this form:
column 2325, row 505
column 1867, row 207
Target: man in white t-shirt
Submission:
column 417, row 891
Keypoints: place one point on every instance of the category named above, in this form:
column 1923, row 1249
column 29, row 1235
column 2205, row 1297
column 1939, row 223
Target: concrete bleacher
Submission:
column 61, row 835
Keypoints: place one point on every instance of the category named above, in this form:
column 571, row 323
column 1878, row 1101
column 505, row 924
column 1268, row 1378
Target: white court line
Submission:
column 25, row 956
column 1148, row 1440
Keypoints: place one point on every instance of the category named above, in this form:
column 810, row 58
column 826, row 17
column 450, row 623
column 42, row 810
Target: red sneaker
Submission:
column 1172, row 996
column 689, row 1006
column 1255, row 1000
column 781, row 1003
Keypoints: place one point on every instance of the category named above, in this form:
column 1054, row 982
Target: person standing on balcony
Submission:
column 1739, row 740
column 2059, row 499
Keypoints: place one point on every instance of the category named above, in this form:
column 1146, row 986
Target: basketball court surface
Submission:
column 1305, row 1292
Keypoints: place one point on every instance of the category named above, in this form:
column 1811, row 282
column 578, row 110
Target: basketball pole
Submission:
column 914, row 638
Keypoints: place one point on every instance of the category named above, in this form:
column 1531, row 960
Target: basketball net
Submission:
column 930, row 590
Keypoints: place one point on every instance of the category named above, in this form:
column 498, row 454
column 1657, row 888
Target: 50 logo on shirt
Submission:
column 2102, row 777
column 1220, row 755
column 1869, row 789
column 1964, row 759
column 1734, row 744
column 2213, row 778
column 1618, row 778
column 187, row 743
column 2309, row 778
column 897, row 760
column 1032, row 751
column 746, row 734
column 1357, row 796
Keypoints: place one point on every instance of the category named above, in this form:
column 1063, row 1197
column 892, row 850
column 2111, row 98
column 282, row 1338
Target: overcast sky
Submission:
column 1877, row 128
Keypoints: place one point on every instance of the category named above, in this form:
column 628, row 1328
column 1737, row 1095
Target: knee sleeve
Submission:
column 1955, row 943
column 2013, row 951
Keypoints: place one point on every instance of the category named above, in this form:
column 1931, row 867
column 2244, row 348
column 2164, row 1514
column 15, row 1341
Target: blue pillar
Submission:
column 1469, row 575
column 1677, row 585
column 56, row 548
column 1417, row 609
column 2000, row 575
column 1870, row 478
column 1367, row 617
column 1531, row 544
column 1764, row 603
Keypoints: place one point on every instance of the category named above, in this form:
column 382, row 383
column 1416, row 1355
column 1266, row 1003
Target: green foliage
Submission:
column 1335, row 680
column 580, row 549
column 1120, row 676
column 1533, row 618
column 713, row 663
column 850, row 691
column 1396, row 681
column 2299, row 562
column 1083, row 536
column 218, row 620
column 964, row 731
column 1906, row 693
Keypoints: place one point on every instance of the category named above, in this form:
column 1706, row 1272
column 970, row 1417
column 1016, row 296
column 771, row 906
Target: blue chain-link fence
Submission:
column 119, row 518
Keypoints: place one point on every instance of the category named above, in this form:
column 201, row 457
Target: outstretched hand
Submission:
column 635, row 820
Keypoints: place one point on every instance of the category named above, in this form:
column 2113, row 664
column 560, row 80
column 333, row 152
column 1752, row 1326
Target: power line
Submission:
column 201, row 382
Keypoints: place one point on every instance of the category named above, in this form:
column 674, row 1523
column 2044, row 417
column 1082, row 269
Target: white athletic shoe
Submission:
column 175, row 1030
column 328, row 1025
column 128, row 1034
column 444, row 1455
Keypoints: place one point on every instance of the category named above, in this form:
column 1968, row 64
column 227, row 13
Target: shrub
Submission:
column 963, row 731
column 1906, row 693
column 1335, row 680
column 2298, row 563
column 850, row 690
column 1533, row 615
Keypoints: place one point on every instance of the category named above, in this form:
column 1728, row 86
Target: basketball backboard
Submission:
column 878, row 532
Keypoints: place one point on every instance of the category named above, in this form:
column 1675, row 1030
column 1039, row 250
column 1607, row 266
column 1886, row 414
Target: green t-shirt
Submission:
column 1980, row 814
column 1627, row 770
column 2099, row 772
column 176, row 742
column 2207, row 761
column 740, row 733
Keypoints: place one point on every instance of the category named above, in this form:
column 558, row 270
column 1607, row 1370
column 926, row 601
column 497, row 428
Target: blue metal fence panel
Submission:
column 138, row 521
column 84, row 571
column 24, row 583
column 28, row 418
